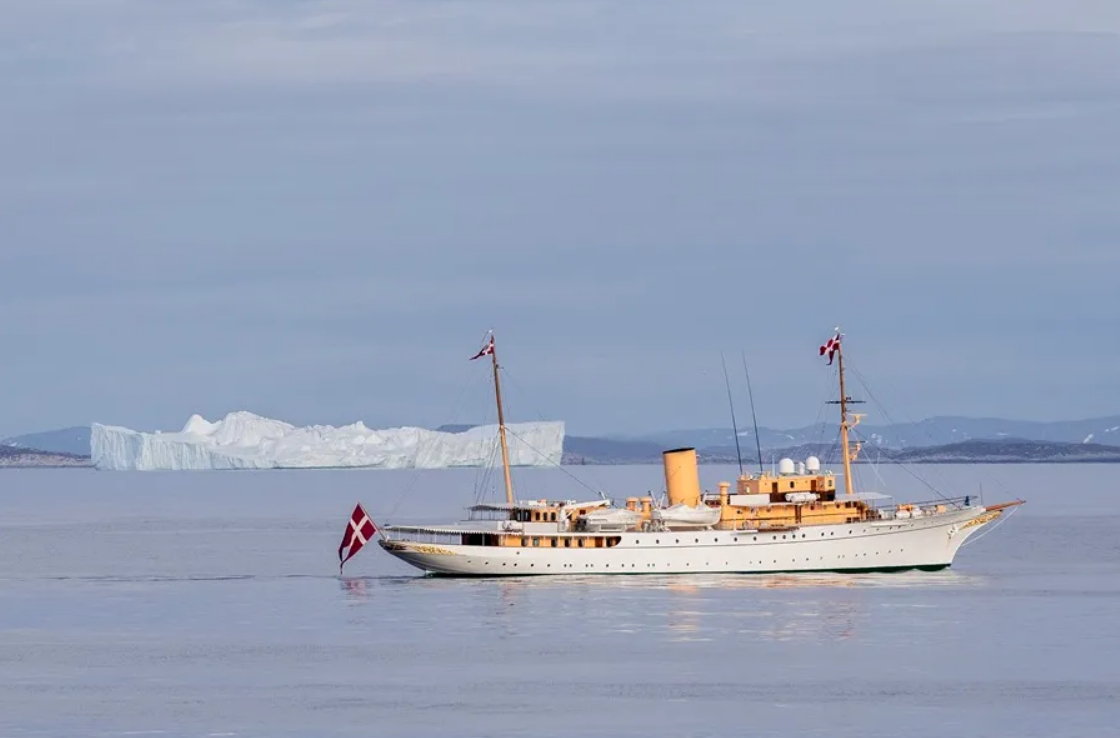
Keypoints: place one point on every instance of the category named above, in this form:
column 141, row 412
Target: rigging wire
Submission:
column 523, row 394
column 754, row 419
column 485, row 476
column 902, row 466
column 887, row 416
column 821, row 427
column 457, row 409
column 578, row 481
column 734, row 425
column 996, row 480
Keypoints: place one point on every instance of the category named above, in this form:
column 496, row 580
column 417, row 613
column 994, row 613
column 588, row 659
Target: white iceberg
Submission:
column 242, row 440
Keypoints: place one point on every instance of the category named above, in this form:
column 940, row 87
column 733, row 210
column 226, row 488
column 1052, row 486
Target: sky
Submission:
column 314, row 210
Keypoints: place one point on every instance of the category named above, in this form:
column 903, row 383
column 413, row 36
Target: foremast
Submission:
column 489, row 349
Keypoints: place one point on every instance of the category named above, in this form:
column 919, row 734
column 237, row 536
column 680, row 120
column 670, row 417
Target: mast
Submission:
column 844, row 423
column 833, row 348
column 502, row 422
column 734, row 426
column 754, row 418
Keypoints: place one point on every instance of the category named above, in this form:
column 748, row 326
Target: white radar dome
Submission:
column 813, row 464
column 785, row 466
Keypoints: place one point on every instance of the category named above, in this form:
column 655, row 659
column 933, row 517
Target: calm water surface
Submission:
column 207, row 604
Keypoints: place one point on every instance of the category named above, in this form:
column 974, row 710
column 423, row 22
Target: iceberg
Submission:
column 243, row 440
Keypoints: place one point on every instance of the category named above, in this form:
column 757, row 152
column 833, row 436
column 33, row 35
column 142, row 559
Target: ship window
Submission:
column 580, row 543
column 552, row 517
column 524, row 541
column 536, row 541
column 791, row 485
column 567, row 543
column 554, row 542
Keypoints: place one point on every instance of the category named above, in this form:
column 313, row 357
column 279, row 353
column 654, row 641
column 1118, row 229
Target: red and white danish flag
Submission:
column 358, row 531
column 486, row 350
column 832, row 346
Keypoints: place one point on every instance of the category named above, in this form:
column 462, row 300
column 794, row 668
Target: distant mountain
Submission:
column 929, row 432
column 1010, row 451
column 587, row 450
column 982, row 451
column 13, row 456
column 73, row 440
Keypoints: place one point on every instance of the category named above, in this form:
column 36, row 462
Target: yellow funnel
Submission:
column 682, row 480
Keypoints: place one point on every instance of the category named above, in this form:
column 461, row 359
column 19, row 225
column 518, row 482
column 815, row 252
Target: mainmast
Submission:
column 501, row 423
column 488, row 349
column 833, row 347
column 844, row 423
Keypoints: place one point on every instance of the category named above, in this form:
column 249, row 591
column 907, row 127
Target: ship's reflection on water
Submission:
column 778, row 607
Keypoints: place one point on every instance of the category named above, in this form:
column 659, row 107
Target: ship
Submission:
column 791, row 519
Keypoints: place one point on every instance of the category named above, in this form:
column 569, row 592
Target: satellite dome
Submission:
column 785, row 466
column 813, row 464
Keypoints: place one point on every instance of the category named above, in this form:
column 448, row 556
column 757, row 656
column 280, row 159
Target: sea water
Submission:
column 210, row 604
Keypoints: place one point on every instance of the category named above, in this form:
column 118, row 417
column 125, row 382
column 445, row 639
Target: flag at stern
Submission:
column 359, row 529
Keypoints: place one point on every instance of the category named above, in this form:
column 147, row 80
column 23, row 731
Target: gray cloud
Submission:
column 312, row 208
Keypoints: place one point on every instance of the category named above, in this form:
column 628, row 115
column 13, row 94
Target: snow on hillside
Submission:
column 243, row 440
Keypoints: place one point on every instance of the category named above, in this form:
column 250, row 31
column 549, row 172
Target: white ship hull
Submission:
column 919, row 543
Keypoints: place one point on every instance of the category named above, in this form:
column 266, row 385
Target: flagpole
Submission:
column 501, row 422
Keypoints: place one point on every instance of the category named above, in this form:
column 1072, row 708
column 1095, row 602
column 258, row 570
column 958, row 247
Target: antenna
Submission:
column 757, row 440
column 734, row 427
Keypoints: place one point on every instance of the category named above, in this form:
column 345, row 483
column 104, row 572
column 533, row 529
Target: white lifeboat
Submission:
column 612, row 519
column 684, row 516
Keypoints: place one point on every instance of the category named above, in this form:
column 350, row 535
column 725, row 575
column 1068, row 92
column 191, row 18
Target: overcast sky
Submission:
column 313, row 210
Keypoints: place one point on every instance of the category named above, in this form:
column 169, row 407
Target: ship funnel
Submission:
column 682, row 480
